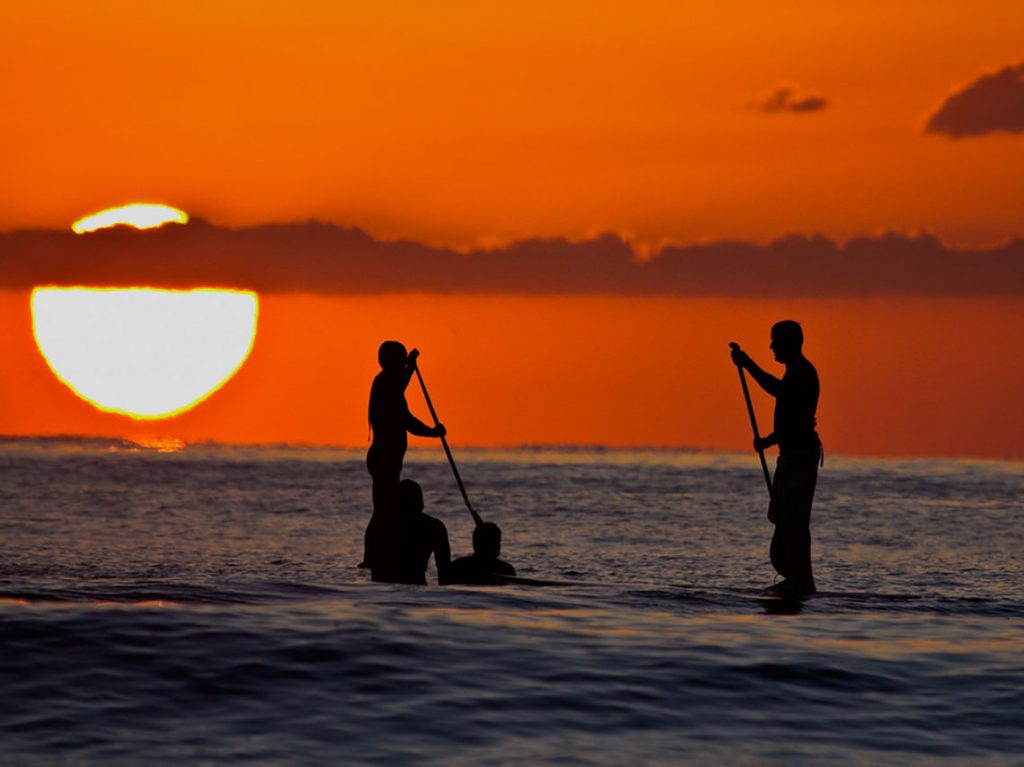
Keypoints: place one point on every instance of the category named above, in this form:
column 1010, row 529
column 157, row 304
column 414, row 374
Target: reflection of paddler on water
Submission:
column 390, row 423
column 800, row 452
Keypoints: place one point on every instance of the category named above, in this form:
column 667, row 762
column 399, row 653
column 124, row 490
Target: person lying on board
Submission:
column 482, row 567
column 408, row 538
column 390, row 423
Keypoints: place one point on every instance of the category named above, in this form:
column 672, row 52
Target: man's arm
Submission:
column 414, row 425
column 765, row 380
column 410, row 368
column 442, row 552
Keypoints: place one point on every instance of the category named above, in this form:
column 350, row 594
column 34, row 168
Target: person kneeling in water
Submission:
column 408, row 539
column 482, row 567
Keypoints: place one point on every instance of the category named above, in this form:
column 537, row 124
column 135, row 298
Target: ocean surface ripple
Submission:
column 203, row 607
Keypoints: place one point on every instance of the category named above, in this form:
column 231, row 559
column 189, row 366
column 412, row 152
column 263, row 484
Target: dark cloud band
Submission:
column 325, row 259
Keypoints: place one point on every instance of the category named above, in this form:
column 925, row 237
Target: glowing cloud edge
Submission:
column 140, row 215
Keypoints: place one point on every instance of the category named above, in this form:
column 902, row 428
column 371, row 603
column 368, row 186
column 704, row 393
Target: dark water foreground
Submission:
column 202, row 608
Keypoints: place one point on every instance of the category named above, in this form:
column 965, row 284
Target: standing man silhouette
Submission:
column 800, row 453
column 390, row 423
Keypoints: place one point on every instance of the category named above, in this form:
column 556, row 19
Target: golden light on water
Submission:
column 143, row 352
column 161, row 444
column 141, row 215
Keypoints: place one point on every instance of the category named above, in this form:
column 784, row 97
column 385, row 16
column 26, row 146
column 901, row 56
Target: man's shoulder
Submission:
column 463, row 570
column 476, row 571
column 802, row 370
column 387, row 380
column 433, row 525
column 464, row 563
column 379, row 387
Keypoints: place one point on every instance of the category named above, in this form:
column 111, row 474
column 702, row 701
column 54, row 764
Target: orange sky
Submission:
column 462, row 124
column 459, row 122
column 899, row 376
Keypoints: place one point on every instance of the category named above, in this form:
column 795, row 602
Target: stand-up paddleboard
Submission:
column 773, row 592
column 521, row 581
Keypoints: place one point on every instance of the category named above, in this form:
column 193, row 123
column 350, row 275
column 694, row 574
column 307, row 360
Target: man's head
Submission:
column 410, row 497
column 487, row 540
column 787, row 340
column 391, row 355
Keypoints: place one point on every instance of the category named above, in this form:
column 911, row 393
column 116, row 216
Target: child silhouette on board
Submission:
column 482, row 567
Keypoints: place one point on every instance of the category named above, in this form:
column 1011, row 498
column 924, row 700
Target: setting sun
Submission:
column 140, row 215
column 143, row 352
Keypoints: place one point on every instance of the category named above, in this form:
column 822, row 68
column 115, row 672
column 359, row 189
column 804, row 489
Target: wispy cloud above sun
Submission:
column 788, row 99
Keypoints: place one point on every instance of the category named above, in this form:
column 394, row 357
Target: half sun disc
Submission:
column 143, row 352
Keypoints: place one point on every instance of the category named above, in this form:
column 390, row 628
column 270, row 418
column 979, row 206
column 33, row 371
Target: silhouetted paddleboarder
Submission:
column 390, row 423
column 800, row 453
column 482, row 567
column 406, row 540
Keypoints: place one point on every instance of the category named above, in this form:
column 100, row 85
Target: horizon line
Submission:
column 152, row 446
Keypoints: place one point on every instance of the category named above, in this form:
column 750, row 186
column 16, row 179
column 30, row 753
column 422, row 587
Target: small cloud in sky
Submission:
column 993, row 102
column 788, row 99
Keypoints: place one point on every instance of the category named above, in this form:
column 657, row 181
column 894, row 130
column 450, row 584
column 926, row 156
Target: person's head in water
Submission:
column 410, row 497
column 487, row 540
column 787, row 340
column 392, row 355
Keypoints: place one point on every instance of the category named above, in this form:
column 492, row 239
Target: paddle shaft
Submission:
column 447, row 450
column 753, row 425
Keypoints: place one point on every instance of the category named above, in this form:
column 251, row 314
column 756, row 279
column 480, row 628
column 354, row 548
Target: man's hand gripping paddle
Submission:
column 753, row 423
column 447, row 450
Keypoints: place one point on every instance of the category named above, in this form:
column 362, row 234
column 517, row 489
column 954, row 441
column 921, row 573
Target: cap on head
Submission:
column 410, row 497
column 391, row 354
column 487, row 540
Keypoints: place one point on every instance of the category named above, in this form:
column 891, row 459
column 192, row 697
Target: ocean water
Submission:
column 203, row 607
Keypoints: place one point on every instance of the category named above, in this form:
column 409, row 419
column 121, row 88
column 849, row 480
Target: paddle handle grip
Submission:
column 447, row 451
column 753, row 424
